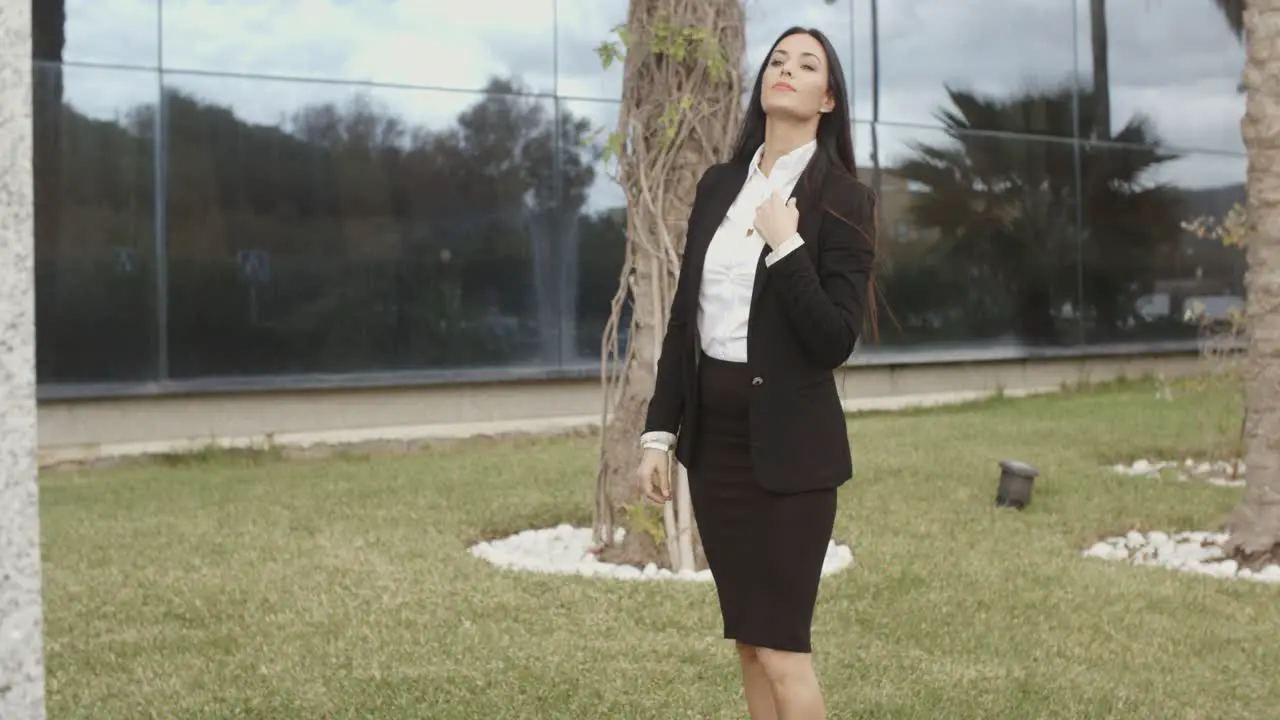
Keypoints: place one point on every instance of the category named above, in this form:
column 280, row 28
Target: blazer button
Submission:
column 757, row 381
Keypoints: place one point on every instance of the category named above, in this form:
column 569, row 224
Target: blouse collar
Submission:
column 788, row 167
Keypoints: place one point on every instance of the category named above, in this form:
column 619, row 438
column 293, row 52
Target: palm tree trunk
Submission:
column 1255, row 524
column 1101, row 70
column 48, row 41
column 1233, row 12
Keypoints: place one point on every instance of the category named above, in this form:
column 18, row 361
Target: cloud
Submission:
column 1173, row 60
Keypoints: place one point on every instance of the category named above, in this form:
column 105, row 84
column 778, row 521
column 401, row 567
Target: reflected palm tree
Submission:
column 48, row 40
column 1232, row 11
column 1011, row 210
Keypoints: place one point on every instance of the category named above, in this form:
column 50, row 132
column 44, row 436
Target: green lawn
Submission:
column 250, row 587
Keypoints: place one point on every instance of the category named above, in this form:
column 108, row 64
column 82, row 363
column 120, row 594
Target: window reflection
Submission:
column 1176, row 62
column 371, row 229
column 991, row 46
column 1143, row 272
column 95, row 229
column 352, row 224
column 977, row 244
column 425, row 43
column 595, row 239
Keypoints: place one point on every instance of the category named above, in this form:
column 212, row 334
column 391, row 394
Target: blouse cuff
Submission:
column 657, row 440
column 791, row 245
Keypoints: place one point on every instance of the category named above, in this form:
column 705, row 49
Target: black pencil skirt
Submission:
column 765, row 550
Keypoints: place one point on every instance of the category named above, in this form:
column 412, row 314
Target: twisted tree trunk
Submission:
column 681, row 105
column 1255, row 524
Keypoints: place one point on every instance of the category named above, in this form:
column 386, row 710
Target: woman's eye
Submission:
column 809, row 67
column 775, row 62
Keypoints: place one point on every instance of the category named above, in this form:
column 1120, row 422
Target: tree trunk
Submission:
column 1255, row 525
column 1101, row 69
column 679, row 115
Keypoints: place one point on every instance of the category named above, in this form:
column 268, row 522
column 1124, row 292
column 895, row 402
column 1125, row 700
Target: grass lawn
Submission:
column 249, row 587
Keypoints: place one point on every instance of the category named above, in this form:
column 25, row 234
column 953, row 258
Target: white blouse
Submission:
column 729, row 271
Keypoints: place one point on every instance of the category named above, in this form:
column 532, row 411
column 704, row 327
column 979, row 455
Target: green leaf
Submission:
column 608, row 52
column 613, row 147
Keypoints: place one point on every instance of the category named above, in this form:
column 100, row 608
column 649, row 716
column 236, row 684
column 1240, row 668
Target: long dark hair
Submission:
column 835, row 137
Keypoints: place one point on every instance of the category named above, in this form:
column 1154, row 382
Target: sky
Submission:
column 1173, row 60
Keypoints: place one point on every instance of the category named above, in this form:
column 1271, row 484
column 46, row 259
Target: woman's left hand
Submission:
column 777, row 219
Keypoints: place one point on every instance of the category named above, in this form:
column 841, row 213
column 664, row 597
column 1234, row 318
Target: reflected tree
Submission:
column 1009, row 210
column 345, row 238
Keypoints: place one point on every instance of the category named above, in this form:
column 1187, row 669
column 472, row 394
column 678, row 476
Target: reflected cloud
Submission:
column 1173, row 59
column 991, row 46
column 1176, row 61
column 432, row 43
column 113, row 32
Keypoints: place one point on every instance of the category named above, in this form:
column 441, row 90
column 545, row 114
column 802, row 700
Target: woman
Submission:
column 775, row 282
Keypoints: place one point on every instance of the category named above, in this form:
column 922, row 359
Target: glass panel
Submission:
column 1177, row 62
column 581, row 26
column 595, row 245
column 991, row 46
column 119, row 32
column 95, row 224
column 316, row 227
column 424, row 43
column 977, row 239
column 1143, row 273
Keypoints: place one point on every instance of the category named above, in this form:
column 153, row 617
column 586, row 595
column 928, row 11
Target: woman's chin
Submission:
column 781, row 109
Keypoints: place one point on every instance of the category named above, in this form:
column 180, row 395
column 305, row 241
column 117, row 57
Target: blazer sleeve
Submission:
column 666, row 407
column 826, row 304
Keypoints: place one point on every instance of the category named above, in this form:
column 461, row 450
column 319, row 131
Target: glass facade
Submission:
column 301, row 192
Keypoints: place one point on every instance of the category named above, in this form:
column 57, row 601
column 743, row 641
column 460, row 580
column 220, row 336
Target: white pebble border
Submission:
column 1216, row 473
column 566, row 550
column 1194, row 552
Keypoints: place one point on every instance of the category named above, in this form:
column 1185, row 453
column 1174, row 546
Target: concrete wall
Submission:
column 21, row 616
column 87, row 430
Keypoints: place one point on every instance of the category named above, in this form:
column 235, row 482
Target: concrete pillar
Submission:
column 21, row 617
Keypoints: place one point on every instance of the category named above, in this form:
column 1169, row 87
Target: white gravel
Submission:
column 1194, row 552
column 566, row 550
column 1215, row 473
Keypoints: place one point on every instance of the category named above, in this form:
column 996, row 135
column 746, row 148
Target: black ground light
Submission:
column 1016, row 481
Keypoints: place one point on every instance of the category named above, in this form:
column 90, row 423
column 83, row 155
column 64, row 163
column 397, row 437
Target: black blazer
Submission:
column 806, row 314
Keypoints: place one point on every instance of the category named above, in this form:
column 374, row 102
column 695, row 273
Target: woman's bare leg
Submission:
column 756, row 685
column 796, row 692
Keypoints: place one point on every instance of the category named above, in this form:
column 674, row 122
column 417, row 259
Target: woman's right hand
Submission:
column 654, row 475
